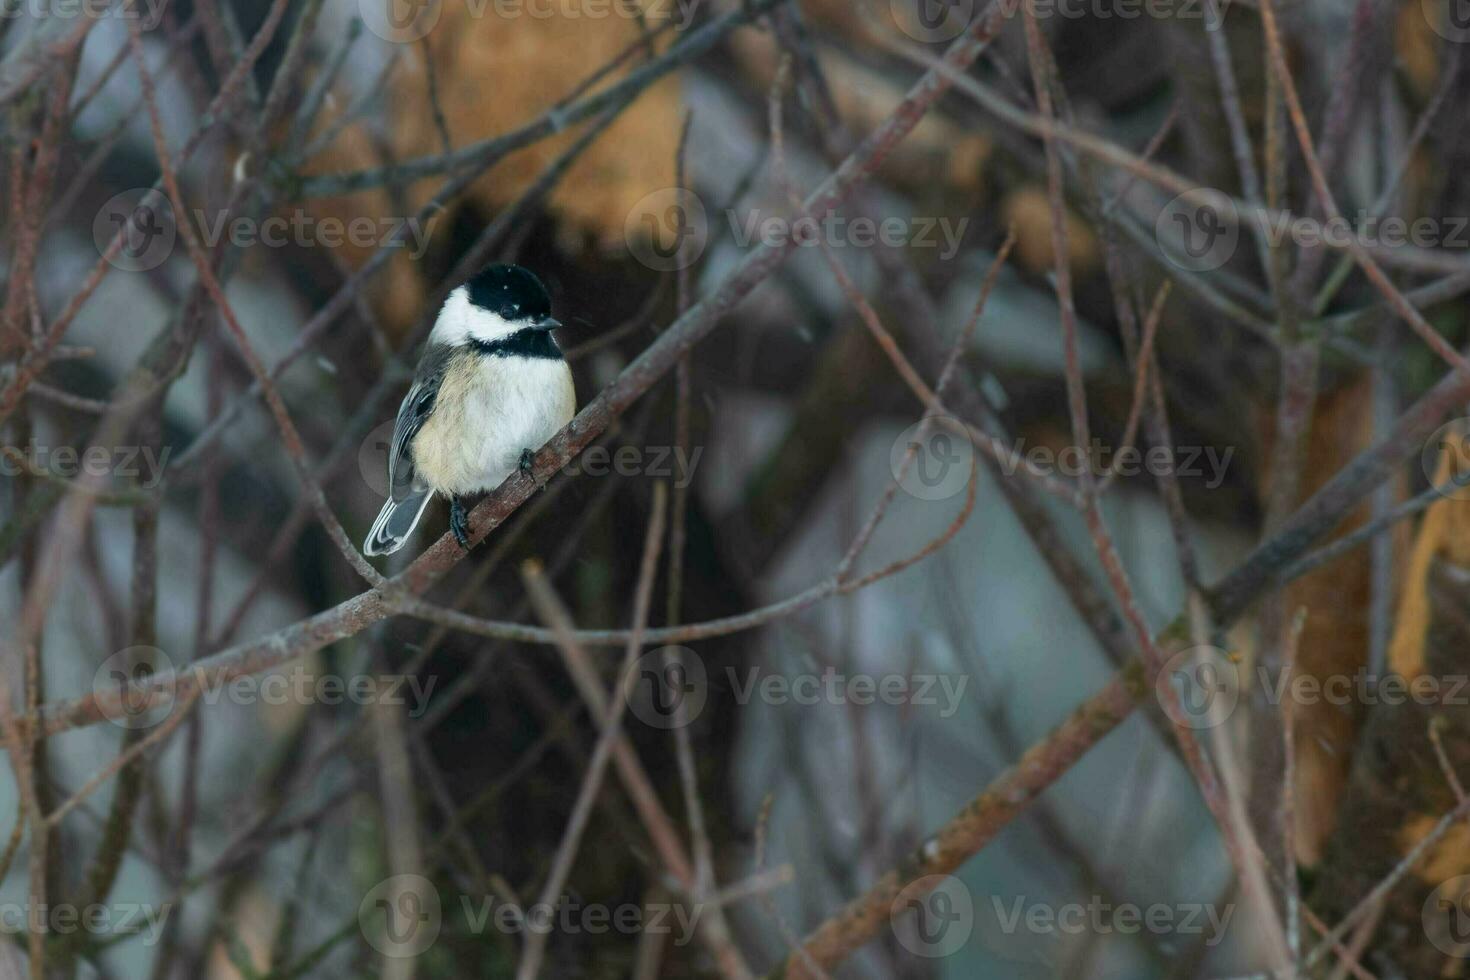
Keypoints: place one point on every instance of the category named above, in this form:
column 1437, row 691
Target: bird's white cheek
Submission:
column 460, row 321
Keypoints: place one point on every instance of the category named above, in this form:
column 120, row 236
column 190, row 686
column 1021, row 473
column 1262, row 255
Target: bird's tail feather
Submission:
column 395, row 523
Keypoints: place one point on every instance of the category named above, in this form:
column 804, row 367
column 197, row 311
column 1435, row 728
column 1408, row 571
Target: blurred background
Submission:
column 344, row 791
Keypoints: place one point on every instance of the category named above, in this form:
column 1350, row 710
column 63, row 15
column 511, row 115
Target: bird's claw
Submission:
column 459, row 522
column 528, row 461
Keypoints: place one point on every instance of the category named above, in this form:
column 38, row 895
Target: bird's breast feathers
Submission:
column 487, row 410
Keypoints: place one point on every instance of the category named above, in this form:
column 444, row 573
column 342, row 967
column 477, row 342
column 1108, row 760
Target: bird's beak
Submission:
column 547, row 323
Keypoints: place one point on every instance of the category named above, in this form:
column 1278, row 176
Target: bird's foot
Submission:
column 527, row 466
column 459, row 521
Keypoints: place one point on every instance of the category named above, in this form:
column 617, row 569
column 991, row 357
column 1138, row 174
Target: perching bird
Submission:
column 492, row 387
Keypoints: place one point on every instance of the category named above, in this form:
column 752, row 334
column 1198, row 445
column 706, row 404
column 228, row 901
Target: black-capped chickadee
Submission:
column 492, row 387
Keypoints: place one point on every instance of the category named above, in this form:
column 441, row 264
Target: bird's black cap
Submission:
column 511, row 292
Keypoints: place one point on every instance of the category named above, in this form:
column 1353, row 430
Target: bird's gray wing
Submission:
column 417, row 406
